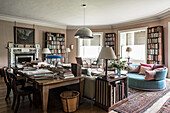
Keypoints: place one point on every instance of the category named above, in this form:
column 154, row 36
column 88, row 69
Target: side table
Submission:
column 111, row 92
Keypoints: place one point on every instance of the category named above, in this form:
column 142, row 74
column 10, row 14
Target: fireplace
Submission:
column 19, row 53
column 23, row 58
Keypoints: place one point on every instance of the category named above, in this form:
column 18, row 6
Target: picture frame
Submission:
column 24, row 35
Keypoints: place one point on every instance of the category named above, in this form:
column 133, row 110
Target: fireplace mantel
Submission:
column 13, row 51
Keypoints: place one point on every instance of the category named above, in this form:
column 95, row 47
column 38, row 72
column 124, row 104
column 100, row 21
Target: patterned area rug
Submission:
column 139, row 101
column 165, row 108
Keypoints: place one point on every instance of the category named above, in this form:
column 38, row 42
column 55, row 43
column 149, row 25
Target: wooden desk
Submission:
column 45, row 85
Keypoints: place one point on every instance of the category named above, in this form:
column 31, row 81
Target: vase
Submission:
column 118, row 72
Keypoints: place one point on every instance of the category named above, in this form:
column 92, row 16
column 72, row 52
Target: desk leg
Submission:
column 44, row 98
column 81, row 90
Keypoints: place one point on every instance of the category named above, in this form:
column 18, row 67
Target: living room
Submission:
column 127, row 25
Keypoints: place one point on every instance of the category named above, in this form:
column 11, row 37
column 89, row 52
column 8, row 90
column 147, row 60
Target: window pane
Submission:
column 95, row 41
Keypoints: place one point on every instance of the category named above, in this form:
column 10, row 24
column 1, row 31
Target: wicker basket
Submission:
column 70, row 100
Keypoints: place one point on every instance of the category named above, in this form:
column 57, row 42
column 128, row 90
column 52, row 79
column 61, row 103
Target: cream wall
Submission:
column 7, row 35
column 163, row 22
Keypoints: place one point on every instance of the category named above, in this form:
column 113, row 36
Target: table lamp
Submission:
column 128, row 49
column 67, row 51
column 46, row 51
column 107, row 53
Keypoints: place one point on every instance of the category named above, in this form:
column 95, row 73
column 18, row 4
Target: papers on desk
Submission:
column 44, row 76
column 39, row 71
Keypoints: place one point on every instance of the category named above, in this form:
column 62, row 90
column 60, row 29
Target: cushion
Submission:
column 143, row 69
column 133, row 69
column 150, row 75
column 159, row 69
column 147, row 65
column 158, row 66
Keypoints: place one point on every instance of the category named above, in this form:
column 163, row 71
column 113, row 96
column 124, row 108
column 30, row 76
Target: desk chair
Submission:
column 8, row 81
column 24, row 91
column 81, row 62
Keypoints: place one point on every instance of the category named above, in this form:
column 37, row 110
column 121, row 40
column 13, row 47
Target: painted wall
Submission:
column 7, row 35
column 74, row 41
column 163, row 22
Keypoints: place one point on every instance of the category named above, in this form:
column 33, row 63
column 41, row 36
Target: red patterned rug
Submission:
column 139, row 101
column 165, row 108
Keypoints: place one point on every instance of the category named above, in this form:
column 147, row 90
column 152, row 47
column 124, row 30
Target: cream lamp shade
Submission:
column 67, row 49
column 107, row 53
column 46, row 51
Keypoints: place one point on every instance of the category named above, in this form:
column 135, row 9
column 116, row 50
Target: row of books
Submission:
column 153, row 46
column 110, row 35
column 154, row 40
column 53, row 60
column 55, row 38
column 153, row 62
column 109, row 43
column 55, row 51
column 54, row 42
column 152, row 57
column 154, row 35
column 58, row 35
column 118, row 92
column 153, row 51
column 151, row 30
column 56, row 46
column 110, row 39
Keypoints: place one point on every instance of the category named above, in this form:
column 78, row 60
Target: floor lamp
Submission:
column 107, row 53
column 67, row 51
column 128, row 50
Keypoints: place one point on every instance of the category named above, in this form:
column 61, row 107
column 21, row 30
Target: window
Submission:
column 136, row 40
column 90, row 48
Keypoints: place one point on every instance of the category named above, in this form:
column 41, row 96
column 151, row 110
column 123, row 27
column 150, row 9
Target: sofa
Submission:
column 138, row 81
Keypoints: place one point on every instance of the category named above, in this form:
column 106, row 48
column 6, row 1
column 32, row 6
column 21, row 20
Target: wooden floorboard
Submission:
column 54, row 105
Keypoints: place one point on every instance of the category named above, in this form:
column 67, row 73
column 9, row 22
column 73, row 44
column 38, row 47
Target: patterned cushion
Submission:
column 133, row 69
column 147, row 65
column 158, row 66
column 143, row 69
column 150, row 75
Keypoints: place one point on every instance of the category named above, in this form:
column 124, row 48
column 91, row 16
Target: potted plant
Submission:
column 120, row 65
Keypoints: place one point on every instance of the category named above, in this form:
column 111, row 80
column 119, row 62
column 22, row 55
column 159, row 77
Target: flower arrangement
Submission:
column 117, row 63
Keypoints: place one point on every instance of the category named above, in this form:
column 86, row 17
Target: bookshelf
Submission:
column 56, row 43
column 110, row 92
column 110, row 40
column 155, row 51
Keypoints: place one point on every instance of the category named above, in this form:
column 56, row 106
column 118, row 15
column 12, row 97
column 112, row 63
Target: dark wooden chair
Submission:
column 81, row 62
column 24, row 91
column 8, row 81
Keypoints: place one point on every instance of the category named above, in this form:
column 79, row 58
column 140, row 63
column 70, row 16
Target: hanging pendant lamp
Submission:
column 84, row 32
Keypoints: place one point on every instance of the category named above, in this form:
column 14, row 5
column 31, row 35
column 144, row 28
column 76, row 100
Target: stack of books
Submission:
column 66, row 75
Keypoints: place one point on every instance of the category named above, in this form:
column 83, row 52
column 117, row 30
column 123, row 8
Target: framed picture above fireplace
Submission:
column 24, row 35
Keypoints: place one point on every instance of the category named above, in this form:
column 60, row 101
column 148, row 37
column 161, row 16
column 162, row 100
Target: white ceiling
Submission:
column 70, row 12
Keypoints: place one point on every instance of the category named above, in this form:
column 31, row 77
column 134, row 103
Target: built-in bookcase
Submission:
column 155, row 50
column 110, row 40
column 56, row 43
